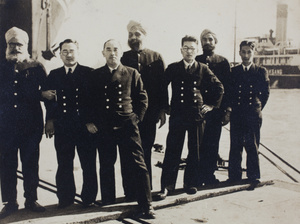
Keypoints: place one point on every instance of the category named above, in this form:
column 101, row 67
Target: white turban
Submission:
column 137, row 25
column 207, row 31
column 18, row 34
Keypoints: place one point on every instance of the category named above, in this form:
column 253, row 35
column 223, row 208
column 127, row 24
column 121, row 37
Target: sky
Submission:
column 92, row 22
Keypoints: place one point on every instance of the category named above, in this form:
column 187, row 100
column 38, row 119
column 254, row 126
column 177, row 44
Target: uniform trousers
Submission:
column 147, row 130
column 244, row 133
column 127, row 138
column 65, row 145
column 178, row 126
column 28, row 144
column 210, row 146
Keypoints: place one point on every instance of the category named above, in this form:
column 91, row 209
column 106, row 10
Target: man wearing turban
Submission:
column 21, row 121
column 150, row 65
column 218, row 116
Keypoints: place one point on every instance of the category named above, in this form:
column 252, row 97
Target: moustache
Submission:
column 207, row 46
column 134, row 41
column 15, row 52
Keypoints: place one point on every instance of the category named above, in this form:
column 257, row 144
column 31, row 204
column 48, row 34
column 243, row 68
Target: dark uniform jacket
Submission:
column 221, row 68
column 116, row 97
column 186, row 89
column 249, row 91
column 20, row 95
column 151, row 67
column 67, row 109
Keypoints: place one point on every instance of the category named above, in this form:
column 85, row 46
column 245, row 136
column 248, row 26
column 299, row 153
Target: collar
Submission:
column 248, row 67
column 73, row 68
column 111, row 69
column 138, row 51
column 188, row 64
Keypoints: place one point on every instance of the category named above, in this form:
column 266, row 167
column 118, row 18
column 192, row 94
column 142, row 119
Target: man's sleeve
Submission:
column 140, row 97
column 265, row 87
column 50, row 105
column 217, row 90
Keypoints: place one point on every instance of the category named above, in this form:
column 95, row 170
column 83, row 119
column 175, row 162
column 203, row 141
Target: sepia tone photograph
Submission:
column 147, row 111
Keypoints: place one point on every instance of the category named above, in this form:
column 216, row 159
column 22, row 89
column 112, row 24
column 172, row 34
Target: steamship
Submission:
column 278, row 55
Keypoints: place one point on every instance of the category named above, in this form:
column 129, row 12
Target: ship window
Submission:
column 261, row 61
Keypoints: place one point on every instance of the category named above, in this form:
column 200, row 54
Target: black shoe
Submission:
column 62, row 205
column 129, row 199
column 212, row 181
column 149, row 213
column 233, row 180
column 163, row 194
column 88, row 205
column 191, row 190
column 8, row 209
column 145, row 214
column 253, row 184
column 34, row 206
column 108, row 202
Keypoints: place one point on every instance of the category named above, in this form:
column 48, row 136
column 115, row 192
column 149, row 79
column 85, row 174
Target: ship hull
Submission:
column 287, row 81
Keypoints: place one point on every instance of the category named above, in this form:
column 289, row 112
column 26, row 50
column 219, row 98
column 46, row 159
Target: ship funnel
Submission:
column 281, row 23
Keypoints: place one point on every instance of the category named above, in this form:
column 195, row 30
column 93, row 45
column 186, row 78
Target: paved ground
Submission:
column 275, row 201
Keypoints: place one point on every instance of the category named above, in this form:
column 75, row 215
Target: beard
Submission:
column 134, row 44
column 208, row 48
column 16, row 56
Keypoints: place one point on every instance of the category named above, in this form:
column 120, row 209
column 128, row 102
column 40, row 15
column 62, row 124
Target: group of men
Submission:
column 119, row 106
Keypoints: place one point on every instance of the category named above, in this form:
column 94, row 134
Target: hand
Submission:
column 49, row 94
column 92, row 128
column 226, row 118
column 161, row 118
column 206, row 108
column 49, row 129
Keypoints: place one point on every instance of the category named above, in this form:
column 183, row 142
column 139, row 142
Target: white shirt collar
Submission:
column 73, row 68
column 248, row 67
column 111, row 69
column 187, row 64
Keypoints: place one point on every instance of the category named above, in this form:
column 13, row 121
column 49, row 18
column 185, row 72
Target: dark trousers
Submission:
column 147, row 130
column 175, row 140
column 29, row 155
column 127, row 138
column 210, row 146
column 244, row 133
column 65, row 149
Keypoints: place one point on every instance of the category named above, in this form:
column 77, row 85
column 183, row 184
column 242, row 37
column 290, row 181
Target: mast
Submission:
column 234, row 46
